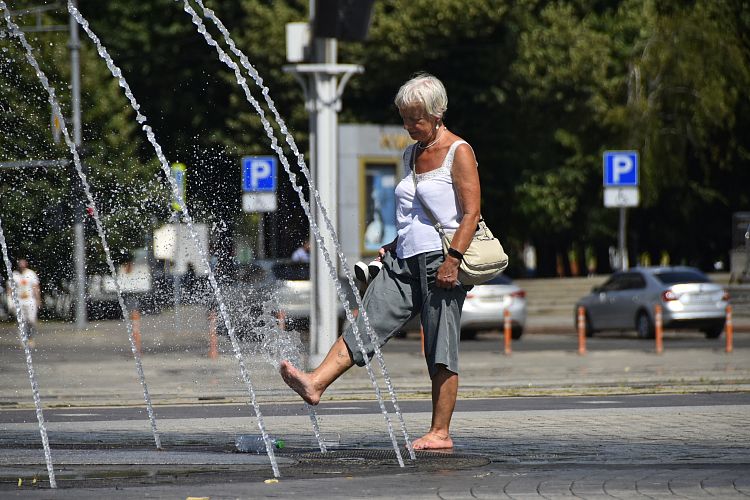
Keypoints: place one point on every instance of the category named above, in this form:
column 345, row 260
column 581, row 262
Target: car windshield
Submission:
column 673, row 277
column 499, row 280
column 292, row 271
column 250, row 273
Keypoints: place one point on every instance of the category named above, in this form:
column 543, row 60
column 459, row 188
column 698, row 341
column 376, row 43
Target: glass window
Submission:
column 292, row 271
column 616, row 282
column 674, row 277
column 499, row 280
column 634, row 281
column 378, row 209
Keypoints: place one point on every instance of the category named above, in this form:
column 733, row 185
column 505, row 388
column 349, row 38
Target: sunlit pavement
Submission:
column 595, row 438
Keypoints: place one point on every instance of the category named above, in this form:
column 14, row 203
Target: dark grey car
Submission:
column 626, row 301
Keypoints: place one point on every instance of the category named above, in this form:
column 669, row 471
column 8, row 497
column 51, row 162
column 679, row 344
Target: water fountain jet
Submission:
column 117, row 73
column 92, row 208
column 319, row 238
column 244, row 61
column 23, row 334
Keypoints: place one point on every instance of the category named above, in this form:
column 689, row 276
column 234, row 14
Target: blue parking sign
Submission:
column 259, row 174
column 620, row 168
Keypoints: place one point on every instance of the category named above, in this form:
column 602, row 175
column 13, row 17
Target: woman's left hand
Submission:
column 447, row 273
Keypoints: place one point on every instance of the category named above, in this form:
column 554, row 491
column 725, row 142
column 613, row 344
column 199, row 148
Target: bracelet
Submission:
column 455, row 253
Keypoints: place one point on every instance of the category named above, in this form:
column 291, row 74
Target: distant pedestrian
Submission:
column 302, row 254
column 29, row 295
column 529, row 259
column 189, row 283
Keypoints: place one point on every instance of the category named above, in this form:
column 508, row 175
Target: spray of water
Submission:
column 117, row 73
column 277, row 344
column 23, row 334
column 210, row 14
column 226, row 59
column 14, row 31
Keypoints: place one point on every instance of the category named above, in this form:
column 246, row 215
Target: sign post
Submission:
column 259, row 191
column 621, row 191
column 179, row 173
column 323, row 92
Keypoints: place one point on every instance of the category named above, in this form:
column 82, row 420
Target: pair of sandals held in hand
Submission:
column 367, row 272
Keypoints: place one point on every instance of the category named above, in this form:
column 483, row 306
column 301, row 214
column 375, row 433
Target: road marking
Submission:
column 601, row 402
column 77, row 414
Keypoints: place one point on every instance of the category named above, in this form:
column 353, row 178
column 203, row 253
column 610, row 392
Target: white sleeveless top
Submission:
column 416, row 231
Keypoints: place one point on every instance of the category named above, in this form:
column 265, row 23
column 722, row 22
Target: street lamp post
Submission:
column 80, row 241
column 323, row 91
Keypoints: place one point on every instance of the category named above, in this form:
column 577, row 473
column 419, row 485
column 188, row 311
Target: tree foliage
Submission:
column 37, row 205
column 541, row 88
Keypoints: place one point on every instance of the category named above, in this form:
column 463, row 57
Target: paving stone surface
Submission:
column 603, row 444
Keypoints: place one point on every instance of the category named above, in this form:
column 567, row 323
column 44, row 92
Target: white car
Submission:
column 485, row 305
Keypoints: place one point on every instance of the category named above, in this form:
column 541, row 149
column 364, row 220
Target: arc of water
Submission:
column 226, row 59
column 14, row 31
column 244, row 61
column 23, row 334
column 117, row 73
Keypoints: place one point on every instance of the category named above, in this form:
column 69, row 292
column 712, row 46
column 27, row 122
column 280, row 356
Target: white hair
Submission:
column 425, row 90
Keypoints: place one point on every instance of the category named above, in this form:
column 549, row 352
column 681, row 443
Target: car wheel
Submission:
column 644, row 326
column 516, row 332
column 468, row 334
column 589, row 329
column 714, row 332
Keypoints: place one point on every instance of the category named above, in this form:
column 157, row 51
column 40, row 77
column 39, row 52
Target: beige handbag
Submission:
column 485, row 257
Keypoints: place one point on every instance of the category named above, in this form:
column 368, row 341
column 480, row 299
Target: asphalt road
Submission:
column 512, row 404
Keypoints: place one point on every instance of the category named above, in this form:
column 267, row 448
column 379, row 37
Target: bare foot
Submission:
column 300, row 382
column 433, row 441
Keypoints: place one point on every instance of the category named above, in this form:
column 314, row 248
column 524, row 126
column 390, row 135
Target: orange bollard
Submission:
column 507, row 332
column 213, row 342
column 135, row 319
column 658, row 331
column 729, row 327
column 421, row 336
column 581, row 330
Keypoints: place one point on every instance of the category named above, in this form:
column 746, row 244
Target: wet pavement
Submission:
column 620, row 422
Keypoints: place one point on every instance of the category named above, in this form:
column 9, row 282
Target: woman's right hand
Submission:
column 390, row 247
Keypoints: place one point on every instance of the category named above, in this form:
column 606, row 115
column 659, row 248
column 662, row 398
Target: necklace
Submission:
column 439, row 134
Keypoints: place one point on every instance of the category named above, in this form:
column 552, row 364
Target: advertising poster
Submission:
column 379, row 211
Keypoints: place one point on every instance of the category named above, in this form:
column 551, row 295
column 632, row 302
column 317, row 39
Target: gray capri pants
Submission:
column 400, row 291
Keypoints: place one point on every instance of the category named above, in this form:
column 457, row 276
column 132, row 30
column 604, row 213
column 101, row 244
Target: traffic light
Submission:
column 347, row 20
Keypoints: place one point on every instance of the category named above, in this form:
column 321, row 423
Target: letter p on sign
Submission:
column 260, row 170
column 621, row 168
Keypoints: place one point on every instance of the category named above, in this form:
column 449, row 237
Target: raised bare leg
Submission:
column 444, row 394
column 310, row 386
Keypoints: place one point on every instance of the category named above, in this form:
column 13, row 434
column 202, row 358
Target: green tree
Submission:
column 37, row 205
column 664, row 80
column 690, row 100
column 539, row 87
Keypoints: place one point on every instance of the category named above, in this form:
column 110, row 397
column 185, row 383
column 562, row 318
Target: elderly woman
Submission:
column 416, row 277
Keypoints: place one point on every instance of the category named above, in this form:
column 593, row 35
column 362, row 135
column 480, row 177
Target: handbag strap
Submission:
column 413, row 164
column 438, row 227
